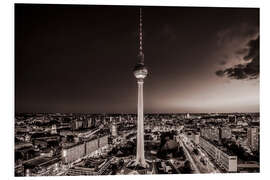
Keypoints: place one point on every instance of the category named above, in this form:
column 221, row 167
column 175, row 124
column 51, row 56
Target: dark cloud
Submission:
column 220, row 73
column 249, row 70
column 223, row 62
column 253, row 53
column 237, row 33
column 236, row 72
column 242, row 51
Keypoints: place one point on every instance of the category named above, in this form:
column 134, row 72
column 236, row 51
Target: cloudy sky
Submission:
column 80, row 59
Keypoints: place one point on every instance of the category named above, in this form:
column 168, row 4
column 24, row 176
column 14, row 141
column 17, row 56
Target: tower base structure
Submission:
column 137, row 164
column 133, row 167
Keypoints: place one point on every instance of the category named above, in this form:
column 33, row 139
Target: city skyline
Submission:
column 99, row 62
column 80, row 58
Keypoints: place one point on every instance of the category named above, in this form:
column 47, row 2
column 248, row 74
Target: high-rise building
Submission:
column 253, row 138
column 140, row 72
column 225, row 133
column 84, row 123
column 89, row 122
column 114, row 129
column 54, row 129
column 120, row 118
column 77, row 124
column 212, row 133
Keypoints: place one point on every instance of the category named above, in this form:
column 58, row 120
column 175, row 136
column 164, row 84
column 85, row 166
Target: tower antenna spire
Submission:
column 141, row 55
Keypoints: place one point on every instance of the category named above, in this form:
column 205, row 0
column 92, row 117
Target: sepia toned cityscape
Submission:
column 128, row 90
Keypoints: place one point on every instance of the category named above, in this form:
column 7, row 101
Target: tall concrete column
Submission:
column 140, row 72
column 140, row 160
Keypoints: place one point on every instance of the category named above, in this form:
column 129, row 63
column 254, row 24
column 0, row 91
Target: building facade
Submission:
column 79, row 150
column 253, row 138
column 224, row 159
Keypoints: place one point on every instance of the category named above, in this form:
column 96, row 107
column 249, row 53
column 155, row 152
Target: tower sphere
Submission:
column 140, row 71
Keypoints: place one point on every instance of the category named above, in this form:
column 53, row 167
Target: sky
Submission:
column 79, row 58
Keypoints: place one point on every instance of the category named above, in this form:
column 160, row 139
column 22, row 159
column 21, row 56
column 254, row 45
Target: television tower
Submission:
column 140, row 72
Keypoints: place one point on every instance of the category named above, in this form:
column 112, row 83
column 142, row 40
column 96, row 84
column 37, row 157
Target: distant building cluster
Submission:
column 101, row 144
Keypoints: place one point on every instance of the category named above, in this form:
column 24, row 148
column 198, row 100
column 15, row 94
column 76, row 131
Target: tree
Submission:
column 187, row 167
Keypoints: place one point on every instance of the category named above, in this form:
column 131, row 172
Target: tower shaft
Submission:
column 140, row 160
column 140, row 72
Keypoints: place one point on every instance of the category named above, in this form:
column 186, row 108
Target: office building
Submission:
column 253, row 138
column 222, row 157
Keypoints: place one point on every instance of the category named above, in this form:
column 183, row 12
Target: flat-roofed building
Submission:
column 253, row 138
column 42, row 166
column 91, row 146
column 225, row 133
column 73, row 152
column 103, row 141
column 223, row 158
column 76, row 151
